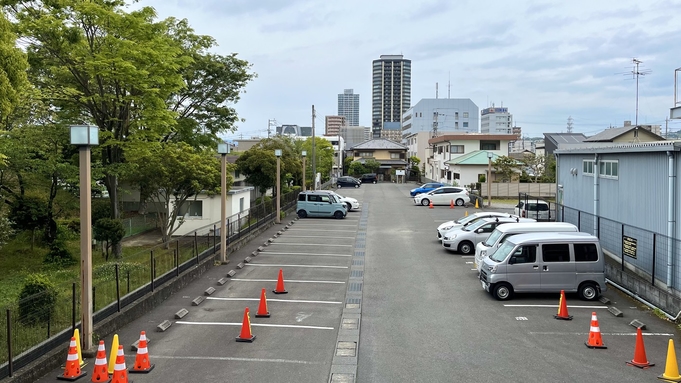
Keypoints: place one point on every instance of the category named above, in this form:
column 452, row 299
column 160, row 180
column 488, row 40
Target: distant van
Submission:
column 316, row 204
column 545, row 263
column 502, row 232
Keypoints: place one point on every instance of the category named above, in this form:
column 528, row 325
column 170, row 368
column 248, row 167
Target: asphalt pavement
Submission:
column 375, row 298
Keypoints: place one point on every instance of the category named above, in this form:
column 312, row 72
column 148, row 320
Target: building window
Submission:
column 394, row 156
column 237, row 174
column 487, row 146
column 191, row 210
column 588, row 167
column 366, row 154
column 465, row 124
column 456, row 115
column 456, row 149
column 439, row 150
column 465, row 114
column 241, row 204
column 608, row 169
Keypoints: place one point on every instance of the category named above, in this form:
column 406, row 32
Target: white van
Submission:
column 545, row 263
column 502, row 232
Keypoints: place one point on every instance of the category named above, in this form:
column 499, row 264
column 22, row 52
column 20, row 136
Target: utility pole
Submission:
column 637, row 73
column 314, row 153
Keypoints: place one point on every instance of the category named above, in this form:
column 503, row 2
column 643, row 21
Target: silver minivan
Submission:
column 545, row 263
column 500, row 234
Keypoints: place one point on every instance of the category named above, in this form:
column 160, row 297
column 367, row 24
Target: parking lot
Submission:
column 375, row 298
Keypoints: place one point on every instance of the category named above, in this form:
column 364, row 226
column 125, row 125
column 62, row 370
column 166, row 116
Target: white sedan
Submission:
column 350, row 203
column 443, row 196
column 464, row 221
column 465, row 239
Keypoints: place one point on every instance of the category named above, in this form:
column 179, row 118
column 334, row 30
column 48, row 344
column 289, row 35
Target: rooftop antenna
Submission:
column 636, row 72
column 436, row 91
column 569, row 124
column 449, row 83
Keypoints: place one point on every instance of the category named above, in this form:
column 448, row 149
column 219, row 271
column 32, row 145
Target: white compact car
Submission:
column 443, row 196
column 350, row 203
column 465, row 239
column 464, row 221
column 536, row 208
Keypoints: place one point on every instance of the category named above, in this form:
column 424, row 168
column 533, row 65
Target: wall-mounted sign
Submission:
column 399, row 172
column 629, row 246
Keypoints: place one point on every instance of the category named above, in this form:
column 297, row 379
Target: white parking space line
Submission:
column 310, row 266
column 556, row 306
column 316, row 236
column 231, row 359
column 467, row 256
column 604, row 333
column 342, row 231
column 285, row 280
column 469, row 263
column 333, row 225
column 255, row 325
column 274, row 300
column 322, row 254
column 309, row 244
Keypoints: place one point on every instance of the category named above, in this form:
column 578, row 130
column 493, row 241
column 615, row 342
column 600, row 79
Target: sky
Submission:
column 544, row 60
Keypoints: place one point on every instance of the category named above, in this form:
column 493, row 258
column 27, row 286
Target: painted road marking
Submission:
column 255, row 325
column 312, row 266
column 467, row 256
column 287, row 281
column 469, row 263
column 332, row 226
column 324, row 254
column 231, row 359
column 343, row 231
column 316, row 236
column 310, row 244
column 273, row 300
column 555, row 306
column 604, row 333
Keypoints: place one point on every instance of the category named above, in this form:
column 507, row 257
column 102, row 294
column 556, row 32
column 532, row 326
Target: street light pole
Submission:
column 304, row 180
column 489, row 178
column 277, row 152
column 84, row 137
column 223, row 149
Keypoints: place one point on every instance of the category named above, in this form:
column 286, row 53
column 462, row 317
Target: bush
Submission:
column 37, row 300
column 260, row 200
column 70, row 224
column 59, row 255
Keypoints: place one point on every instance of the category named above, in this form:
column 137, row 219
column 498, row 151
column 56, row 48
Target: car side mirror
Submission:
column 478, row 231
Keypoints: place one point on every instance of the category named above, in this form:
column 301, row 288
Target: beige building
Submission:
column 334, row 124
column 628, row 134
column 389, row 154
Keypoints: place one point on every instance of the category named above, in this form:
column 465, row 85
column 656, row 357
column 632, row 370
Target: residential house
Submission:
column 389, row 154
column 627, row 134
column 552, row 140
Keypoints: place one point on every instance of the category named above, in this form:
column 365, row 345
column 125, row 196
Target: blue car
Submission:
column 425, row 188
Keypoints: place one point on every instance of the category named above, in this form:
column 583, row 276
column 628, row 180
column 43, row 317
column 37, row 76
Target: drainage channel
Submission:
column 344, row 365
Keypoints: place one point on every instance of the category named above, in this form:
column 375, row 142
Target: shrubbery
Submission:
column 37, row 300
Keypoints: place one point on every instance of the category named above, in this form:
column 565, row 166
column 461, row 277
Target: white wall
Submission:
column 211, row 210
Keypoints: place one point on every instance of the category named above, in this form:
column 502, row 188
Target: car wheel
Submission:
column 425, row 202
column 356, row 185
column 339, row 186
column 502, row 291
column 302, row 214
column 349, row 205
column 459, row 202
column 465, row 247
column 588, row 291
column 338, row 215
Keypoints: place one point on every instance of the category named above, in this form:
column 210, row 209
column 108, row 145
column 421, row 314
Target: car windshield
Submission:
column 475, row 225
column 502, row 252
column 465, row 220
column 423, row 186
column 492, row 238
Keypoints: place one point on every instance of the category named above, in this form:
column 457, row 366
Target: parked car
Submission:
column 464, row 221
column 466, row 238
column 347, row 181
column 536, row 209
column 443, row 196
column 425, row 188
column 316, row 204
column 350, row 202
column 369, row 178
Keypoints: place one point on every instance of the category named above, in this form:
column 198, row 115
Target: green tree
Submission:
column 108, row 230
column 534, row 163
column 29, row 213
column 37, row 299
column 171, row 173
column 549, row 173
column 6, row 231
column 506, row 167
column 325, row 158
column 12, row 71
column 259, row 164
column 372, row 165
column 357, row 169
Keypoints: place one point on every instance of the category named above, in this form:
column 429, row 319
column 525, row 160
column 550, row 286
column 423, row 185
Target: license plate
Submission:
column 485, row 286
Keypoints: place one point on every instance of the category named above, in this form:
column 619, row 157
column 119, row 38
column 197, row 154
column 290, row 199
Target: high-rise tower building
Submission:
column 391, row 93
column 348, row 107
column 334, row 124
column 496, row 120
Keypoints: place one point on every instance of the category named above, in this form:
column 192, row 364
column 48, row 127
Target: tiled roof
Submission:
column 565, row 138
column 610, row 134
column 379, row 143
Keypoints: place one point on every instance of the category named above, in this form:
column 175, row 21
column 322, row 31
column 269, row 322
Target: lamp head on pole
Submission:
column 490, row 155
column 304, row 153
column 277, row 152
column 84, row 135
column 223, row 148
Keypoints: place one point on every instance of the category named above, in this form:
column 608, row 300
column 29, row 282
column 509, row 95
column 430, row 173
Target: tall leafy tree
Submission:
column 507, row 167
column 259, row 164
column 324, row 155
column 535, row 163
column 13, row 65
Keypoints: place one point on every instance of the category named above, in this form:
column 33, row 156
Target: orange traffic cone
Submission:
column 120, row 374
column 101, row 372
column 595, row 340
column 262, row 309
column 142, row 364
column 430, row 205
column 72, row 369
column 451, row 204
column 640, row 360
column 671, row 368
column 280, row 284
column 562, row 308
column 246, row 334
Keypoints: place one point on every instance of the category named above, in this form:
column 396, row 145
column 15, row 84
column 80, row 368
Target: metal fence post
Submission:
column 215, row 231
column 238, row 219
column 9, row 343
column 177, row 263
column 652, row 279
column 118, row 289
column 196, row 248
column 579, row 220
column 177, row 247
column 152, row 263
column 622, row 249
column 93, row 298
column 73, row 307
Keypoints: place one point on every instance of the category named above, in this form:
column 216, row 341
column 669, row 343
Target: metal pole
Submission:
column 118, row 290
column 314, row 154
column 85, row 246
column 223, row 211
column 489, row 182
column 73, row 307
column 152, row 263
column 277, row 219
column 304, row 180
column 9, row 343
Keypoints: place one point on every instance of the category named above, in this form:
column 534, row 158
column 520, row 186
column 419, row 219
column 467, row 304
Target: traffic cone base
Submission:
column 246, row 333
column 451, row 204
column 671, row 368
column 262, row 308
column 430, row 205
column 280, row 284
column 100, row 373
column 120, row 374
column 142, row 364
column 562, row 308
column 640, row 359
column 72, row 370
column 595, row 340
